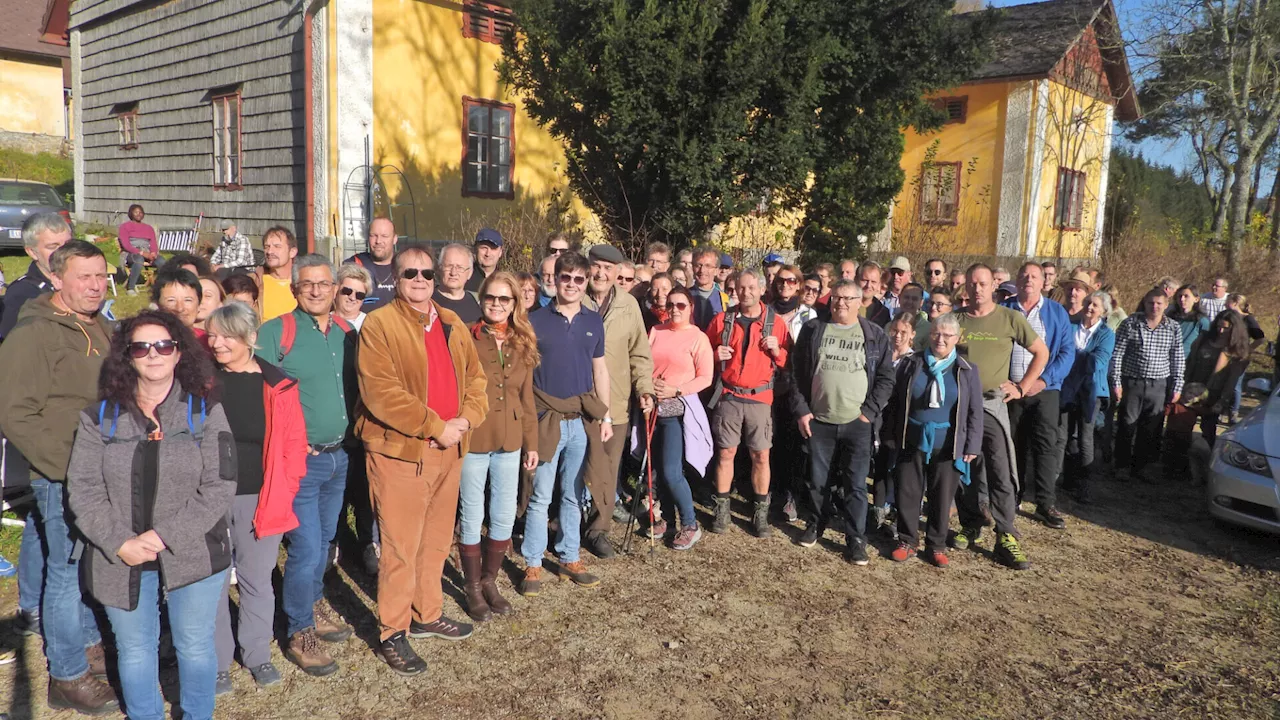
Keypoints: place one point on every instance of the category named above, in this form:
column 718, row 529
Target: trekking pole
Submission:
column 651, row 422
column 635, row 508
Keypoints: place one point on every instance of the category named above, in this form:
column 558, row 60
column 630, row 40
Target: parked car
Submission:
column 19, row 200
column 1244, row 470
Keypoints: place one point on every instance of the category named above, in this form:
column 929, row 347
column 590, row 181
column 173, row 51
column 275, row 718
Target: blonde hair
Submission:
column 521, row 337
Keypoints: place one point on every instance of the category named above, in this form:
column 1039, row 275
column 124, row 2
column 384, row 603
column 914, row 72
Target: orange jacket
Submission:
column 756, row 367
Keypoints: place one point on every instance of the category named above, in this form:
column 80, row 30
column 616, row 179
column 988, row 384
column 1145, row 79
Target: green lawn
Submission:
column 15, row 262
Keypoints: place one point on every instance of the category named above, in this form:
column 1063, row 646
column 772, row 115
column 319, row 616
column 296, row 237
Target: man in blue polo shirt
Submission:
column 571, row 392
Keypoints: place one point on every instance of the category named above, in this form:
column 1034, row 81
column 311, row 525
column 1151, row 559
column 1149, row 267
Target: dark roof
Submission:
column 24, row 26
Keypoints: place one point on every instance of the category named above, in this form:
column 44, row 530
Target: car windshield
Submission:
column 28, row 194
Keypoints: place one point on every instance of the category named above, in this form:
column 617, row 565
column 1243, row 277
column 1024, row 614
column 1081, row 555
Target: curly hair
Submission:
column 522, row 337
column 118, row 381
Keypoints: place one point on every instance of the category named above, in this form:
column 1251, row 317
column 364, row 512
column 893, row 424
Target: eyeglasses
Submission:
column 578, row 280
column 349, row 291
column 323, row 285
column 844, row 299
column 681, row 306
column 163, row 348
column 811, row 289
column 456, row 268
column 499, row 300
column 426, row 273
column 788, row 280
column 939, row 304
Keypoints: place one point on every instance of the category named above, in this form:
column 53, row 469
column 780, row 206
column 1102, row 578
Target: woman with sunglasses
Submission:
column 508, row 353
column 683, row 365
column 354, row 285
column 151, row 479
column 790, row 308
column 264, row 407
column 811, row 291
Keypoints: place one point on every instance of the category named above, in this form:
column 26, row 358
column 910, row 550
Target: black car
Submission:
column 19, row 200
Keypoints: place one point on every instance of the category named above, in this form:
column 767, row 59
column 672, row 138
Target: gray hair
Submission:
column 235, row 319
column 42, row 223
column 352, row 271
column 1105, row 297
column 842, row 283
column 751, row 272
column 464, row 249
column 946, row 320
column 311, row 260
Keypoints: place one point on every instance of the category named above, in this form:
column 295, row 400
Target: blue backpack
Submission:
column 197, row 411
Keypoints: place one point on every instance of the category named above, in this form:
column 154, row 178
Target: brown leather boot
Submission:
column 97, row 658
column 305, row 652
column 477, row 608
column 494, row 553
column 86, row 695
column 329, row 624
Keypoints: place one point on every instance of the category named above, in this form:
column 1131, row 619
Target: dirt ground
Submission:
column 1142, row 608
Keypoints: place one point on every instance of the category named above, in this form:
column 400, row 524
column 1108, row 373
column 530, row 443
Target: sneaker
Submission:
column 597, row 543
column 442, row 628
column 856, row 552
column 1010, row 554
column 809, row 537
column 1050, row 516
column 577, row 572
column 720, row 524
column 304, row 651
column 131, row 292
column 400, row 657
column 687, row 537
column 223, row 685
column 902, row 553
column 760, row 520
column 937, row 558
column 7, row 569
column 531, row 584
column 621, row 514
column 657, row 530
column 265, row 674
column 329, row 624
column 965, row 539
column 28, row 622
column 371, row 556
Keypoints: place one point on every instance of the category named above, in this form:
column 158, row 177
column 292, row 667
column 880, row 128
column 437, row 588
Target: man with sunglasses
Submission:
column 935, row 273
column 626, row 353
column 454, row 270
column 377, row 260
column 321, row 358
column 488, row 246
column 572, row 395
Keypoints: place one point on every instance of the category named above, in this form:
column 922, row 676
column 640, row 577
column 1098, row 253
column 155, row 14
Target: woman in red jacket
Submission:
column 265, row 415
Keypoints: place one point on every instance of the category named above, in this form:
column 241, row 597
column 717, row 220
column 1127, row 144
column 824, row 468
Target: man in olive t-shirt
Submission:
column 840, row 383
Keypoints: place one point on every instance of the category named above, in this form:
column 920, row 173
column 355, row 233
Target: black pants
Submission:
column 1034, row 422
column 357, row 496
column 1078, row 438
column 1140, row 421
column 842, row 451
column 1001, row 489
column 942, row 479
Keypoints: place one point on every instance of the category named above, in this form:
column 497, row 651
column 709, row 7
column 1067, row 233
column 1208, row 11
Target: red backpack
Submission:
column 289, row 330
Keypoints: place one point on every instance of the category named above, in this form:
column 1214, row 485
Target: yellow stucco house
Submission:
column 1020, row 167
column 35, row 74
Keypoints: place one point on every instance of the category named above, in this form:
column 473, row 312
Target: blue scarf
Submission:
column 937, row 388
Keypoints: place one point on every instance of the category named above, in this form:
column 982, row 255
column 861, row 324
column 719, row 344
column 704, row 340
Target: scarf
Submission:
column 497, row 330
column 936, row 368
column 782, row 307
column 661, row 314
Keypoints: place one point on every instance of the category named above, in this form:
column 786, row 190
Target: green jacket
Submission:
column 626, row 353
column 51, row 361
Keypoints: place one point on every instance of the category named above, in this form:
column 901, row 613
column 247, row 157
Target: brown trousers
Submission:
column 602, row 463
column 415, row 505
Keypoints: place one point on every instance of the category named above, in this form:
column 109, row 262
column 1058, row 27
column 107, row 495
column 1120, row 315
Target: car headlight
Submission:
column 1233, row 453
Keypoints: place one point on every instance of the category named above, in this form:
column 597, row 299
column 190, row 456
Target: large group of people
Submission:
column 450, row 403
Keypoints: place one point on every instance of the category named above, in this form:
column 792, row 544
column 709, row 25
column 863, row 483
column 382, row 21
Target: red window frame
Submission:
column 127, row 128
column 468, row 163
column 944, row 104
column 936, row 212
column 225, row 175
column 486, row 21
column 1069, row 200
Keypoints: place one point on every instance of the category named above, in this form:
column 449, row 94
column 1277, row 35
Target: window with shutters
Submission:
column 488, row 141
column 227, row 152
column 1069, row 210
column 940, row 193
column 956, row 108
column 126, row 115
column 485, row 21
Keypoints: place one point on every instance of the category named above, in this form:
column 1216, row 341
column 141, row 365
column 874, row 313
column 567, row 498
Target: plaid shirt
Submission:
column 233, row 252
column 1147, row 354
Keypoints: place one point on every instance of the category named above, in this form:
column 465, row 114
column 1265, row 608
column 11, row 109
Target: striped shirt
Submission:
column 1146, row 354
column 1210, row 306
column 1021, row 358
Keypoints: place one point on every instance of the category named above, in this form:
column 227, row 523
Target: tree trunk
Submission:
column 1220, row 207
column 1238, row 217
column 1273, row 242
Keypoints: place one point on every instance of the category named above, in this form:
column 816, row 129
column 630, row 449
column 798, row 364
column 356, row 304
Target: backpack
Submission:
column 195, row 418
column 289, row 331
column 717, row 389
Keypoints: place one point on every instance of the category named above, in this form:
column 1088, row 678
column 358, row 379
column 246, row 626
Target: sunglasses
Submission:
column 788, row 280
column 557, row 251
column 578, row 280
column 348, row 291
column 412, row 273
column 500, row 300
column 163, row 348
column 936, row 271
column 626, row 278
column 681, row 306
column 813, row 290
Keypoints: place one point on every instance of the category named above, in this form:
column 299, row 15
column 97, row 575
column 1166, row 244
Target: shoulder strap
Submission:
column 341, row 322
column 729, row 319
column 107, row 435
column 769, row 317
column 196, row 415
column 288, row 330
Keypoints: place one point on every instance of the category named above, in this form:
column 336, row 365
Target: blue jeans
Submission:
column 30, row 567
column 1235, row 400
column 69, row 625
column 317, row 505
column 668, row 449
column 137, row 632
column 566, row 463
column 501, row 470
column 136, row 262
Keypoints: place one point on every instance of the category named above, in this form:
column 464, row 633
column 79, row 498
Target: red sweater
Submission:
column 756, row 367
column 443, row 398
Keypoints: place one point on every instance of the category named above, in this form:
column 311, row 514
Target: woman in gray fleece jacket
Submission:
column 152, row 476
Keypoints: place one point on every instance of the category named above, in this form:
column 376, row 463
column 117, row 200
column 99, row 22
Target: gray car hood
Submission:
column 1260, row 432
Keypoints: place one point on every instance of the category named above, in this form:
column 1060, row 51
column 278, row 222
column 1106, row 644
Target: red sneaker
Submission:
column 902, row 553
column 937, row 558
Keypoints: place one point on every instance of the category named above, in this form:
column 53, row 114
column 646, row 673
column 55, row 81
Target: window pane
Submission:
column 501, row 150
column 477, row 149
column 217, row 146
column 501, row 123
column 502, row 178
column 478, row 119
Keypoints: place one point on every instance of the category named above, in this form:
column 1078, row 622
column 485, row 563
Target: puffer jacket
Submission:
column 194, row 491
column 284, row 454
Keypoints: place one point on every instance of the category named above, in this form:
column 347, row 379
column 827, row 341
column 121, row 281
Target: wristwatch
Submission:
column 607, row 420
column 679, row 392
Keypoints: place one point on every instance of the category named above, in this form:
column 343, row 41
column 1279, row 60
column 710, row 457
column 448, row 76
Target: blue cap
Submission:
column 490, row 236
column 726, row 260
column 774, row 259
column 1008, row 287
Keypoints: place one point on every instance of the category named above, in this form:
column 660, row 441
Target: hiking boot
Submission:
column 809, row 537
column 97, row 658
column 223, row 684
column 597, row 543
column 856, row 552
column 1009, row 553
column 577, row 572
column 329, row 624
column 28, row 622
column 687, row 537
column 1050, row 516
column 937, row 558
column 965, row 539
column 265, row 674
column 902, row 553
column 984, row 507
column 494, row 553
column 371, row 557
column 720, row 524
column 442, row 628
column 305, row 652
column 472, row 561
column 400, row 657
column 760, row 520
column 657, row 530
column 531, row 585
column 86, row 695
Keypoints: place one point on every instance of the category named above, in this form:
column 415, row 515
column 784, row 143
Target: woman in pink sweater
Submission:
column 682, row 367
